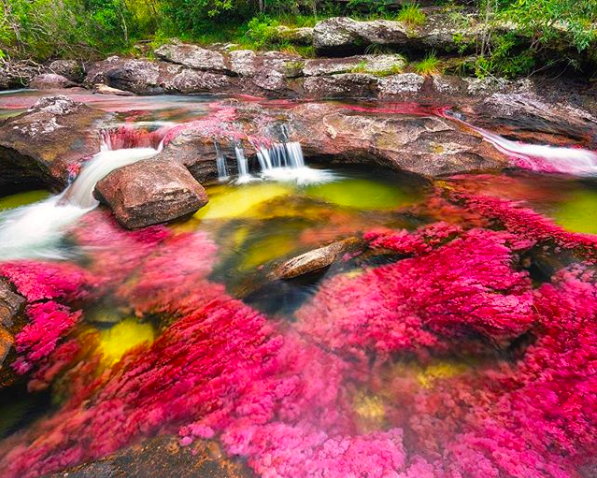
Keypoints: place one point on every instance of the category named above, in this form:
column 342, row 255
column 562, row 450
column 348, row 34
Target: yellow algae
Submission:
column 22, row 199
column 269, row 248
column 578, row 212
column 360, row 193
column 241, row 201
column 370, row 410
column 124, row 336
column 439, row 370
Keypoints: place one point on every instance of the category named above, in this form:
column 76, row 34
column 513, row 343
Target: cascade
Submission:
column 221, row 163
column 35, row 230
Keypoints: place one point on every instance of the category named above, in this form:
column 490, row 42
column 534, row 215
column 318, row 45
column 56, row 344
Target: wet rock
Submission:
column 42, row 146
column 298, row 36
column 163, row 457
column 345, row 85
column 192, row 56
column 108, row 90
column 12, row 321
column 50, row 81
column 70, row 69
column 316, row 260
column 150, row 192
column 400, row 84
column 428, row 146
column 343, row 35
column 372, row 64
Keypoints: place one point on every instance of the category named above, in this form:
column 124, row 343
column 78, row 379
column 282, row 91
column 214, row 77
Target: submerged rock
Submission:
column 315, row 260
column 44, row 145
column 163, row 457
column 50, row 81
column 151, row 192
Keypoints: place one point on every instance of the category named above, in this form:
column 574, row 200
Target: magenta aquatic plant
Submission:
column 348, row 390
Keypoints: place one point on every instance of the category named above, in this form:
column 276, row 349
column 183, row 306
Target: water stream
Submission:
column 456, row 336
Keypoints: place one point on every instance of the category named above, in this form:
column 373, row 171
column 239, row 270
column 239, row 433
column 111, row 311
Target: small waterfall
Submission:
column 243, row 165
column 221, row 163
column 285, row 162
column 35, row 230
column 537, row 157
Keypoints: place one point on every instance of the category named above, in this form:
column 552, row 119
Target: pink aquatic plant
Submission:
column 465, row 287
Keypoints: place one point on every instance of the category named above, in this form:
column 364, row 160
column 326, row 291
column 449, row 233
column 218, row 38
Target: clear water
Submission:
column 332, row 390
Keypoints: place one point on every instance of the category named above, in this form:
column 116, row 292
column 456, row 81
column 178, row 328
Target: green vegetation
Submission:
column 561, row 33
column 411, row 14
column 429, row 65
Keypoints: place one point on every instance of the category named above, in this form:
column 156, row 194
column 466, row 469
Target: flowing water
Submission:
column 456, row 336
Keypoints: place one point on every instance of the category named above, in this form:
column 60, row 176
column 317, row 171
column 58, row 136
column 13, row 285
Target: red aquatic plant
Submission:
column 465, row 287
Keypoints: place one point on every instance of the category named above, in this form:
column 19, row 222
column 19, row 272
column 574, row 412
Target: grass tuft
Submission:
column 412, row 14
column 428, row 66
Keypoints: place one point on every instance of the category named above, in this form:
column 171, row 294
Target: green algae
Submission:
column 579, row 212
column 22, row 199
column 361, row 193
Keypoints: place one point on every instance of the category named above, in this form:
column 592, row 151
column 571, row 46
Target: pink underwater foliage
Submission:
column 465, row 287
column 283, row 395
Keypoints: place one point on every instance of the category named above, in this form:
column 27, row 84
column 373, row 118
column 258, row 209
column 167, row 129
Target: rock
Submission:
column 315, row 260
column 151, row 191
column 162, row 457
column 70, row 69
column 11, row 305
column 243, row 62
column 16, row 74
column 342, row 35
column 191, row 81
column 401, row 84
column 298, row 36
column 193, row 56
column 50, row 81
column 108, row 90
column 270, row 80
column 372, row 64
column 12, row 320
column 146, row 77
column 351, row 85
column 424, row 145
column 42, row 146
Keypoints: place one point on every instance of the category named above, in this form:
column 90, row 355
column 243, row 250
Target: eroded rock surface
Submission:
column 163, row 457
column 12, row 307
column 193, row 56
column 151, row 191
column 44, row 144
column 50, row 81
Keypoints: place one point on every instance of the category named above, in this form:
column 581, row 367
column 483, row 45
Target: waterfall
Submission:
column 34, row 231
column 243, row 165
column 545, row 158
column 285, row 162
column 221, row 163
column 537, row 157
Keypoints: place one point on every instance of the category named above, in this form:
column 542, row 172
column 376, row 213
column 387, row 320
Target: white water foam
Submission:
column 35, row 230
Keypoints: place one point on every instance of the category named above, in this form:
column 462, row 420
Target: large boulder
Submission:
column 415, row 143
column 43, row 146
column 50, row 81
column 192, row 56
column 16, row 74
column 343, row 35
column 151, row 191
column 372, row 64
column 147, row 77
